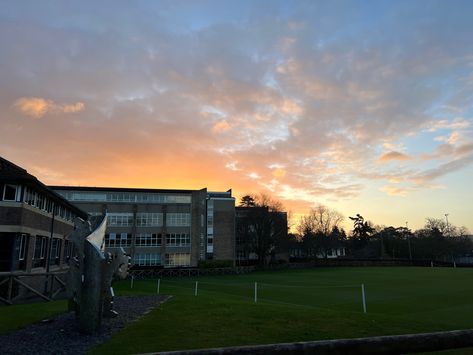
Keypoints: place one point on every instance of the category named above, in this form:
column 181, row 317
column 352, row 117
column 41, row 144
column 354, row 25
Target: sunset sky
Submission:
column 363, row 106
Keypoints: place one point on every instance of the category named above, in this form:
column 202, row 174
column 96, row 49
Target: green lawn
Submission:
column 18, row 316
column 300, row 305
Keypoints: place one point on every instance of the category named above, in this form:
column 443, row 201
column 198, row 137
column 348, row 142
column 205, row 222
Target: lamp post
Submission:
column 409, row 241
column 446, row 218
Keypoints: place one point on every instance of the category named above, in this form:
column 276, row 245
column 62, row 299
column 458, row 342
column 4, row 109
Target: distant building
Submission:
column 162, row 227
column 255, row 222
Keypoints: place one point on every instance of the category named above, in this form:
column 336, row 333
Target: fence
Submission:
column 17, row 287
column 188, row 272
column 350, row 297
column 196, row 272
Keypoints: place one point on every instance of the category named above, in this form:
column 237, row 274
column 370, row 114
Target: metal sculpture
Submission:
column 92, row 271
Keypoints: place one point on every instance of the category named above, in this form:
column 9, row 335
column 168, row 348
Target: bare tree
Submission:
column 320, row 219
column 320, row 230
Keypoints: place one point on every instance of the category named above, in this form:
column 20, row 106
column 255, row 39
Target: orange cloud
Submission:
column 394, row 190
column 279, row 173
column 393, row 155
column 37, row 107
column 221, row 126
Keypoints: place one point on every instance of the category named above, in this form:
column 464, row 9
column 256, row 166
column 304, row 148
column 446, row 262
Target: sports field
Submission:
column 297, row 305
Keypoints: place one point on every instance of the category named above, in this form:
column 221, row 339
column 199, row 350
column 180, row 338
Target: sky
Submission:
column 363, row 106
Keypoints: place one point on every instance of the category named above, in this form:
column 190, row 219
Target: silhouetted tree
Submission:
column 247, row 201
column 362, row 229
column 320, row 231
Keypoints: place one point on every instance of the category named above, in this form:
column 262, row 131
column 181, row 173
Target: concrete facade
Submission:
column 162, row 227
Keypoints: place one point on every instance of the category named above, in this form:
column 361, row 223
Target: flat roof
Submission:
column 121, row 189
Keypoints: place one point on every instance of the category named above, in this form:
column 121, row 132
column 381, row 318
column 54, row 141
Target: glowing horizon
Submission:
column 365, row 107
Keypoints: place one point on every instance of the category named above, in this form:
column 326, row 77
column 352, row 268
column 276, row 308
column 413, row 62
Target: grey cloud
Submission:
column 144, row 82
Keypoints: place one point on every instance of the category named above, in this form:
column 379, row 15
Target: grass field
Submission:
column 18, row 316
column 297, row 305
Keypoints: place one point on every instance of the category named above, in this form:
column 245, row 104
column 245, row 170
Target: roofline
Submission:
column 33, row 180
column 120, row 189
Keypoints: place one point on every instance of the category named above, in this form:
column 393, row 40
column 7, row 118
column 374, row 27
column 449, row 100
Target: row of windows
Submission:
column 120, row 219
column 178, row 219
column 147, row 259
column 139, row 197
column 41, row 249
column 11, row 192
column 178, row 259
column 178, row 240
column 175, row 259
column 148, row 240
column 114, row 240
column 210, row 225
column 149, row 219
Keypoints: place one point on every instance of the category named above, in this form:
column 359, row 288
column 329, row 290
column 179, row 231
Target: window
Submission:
column 178, row 240
column 178, row 259
column 178, row 220
column 40, row 247
column 88, row 196
column 120, row 219
column 55, row 249
column 29, row 197
column 210, row 221
column 23, row 239
column 67, row 249
column 40, row 201
column 40, row 251
column 10, row 192
column 140, row 197
column 147, row 259
column 112, row 240
column 148, row 240
column 210, row 225
column 149, row 219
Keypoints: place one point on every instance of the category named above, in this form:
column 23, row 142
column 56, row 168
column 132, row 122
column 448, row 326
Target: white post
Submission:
column 132, row 279
column 196, row 285
column 256, row 292
column 159, row 284
column 454, row 264
column 431, row 264
column 363, row 297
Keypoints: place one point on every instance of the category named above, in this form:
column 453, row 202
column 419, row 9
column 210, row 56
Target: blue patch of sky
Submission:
column 421, row 143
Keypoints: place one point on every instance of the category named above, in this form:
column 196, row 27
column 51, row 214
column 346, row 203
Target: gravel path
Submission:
column 60, row 335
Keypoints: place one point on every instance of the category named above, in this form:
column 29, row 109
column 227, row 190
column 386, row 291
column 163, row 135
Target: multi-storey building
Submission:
column 158, row 227
column 260, row 231
column 34, row 222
